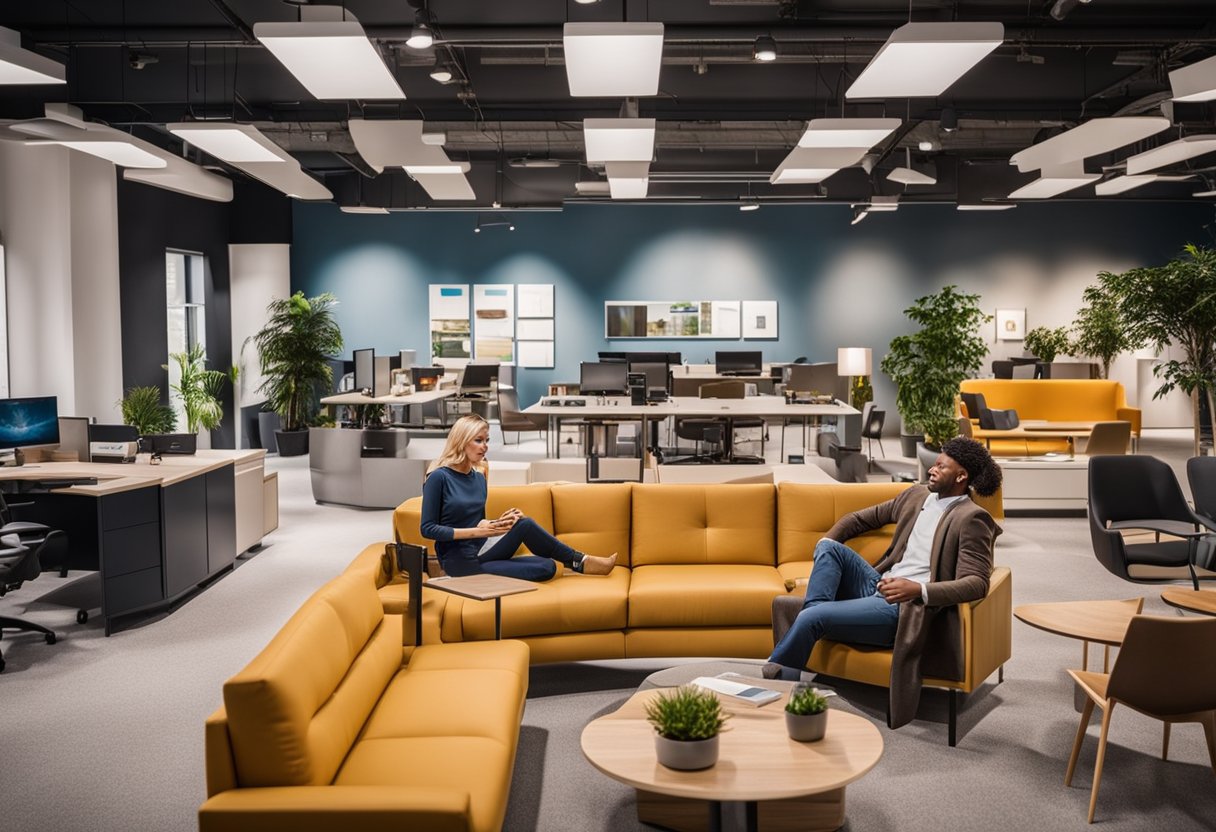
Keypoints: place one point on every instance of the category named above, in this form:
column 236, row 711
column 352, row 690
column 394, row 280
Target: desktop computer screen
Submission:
column 738, row 363
column 365, row 371
column 478, row 378
column 614, row 357
column 29, row 421
column 601, row 378
column 426, row 378
column 658, row 376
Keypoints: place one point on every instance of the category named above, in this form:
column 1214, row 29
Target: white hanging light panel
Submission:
column 619, row 139
column 808, row 165
column 229, row 142
column 847, row 132
column 1096, row 136
column 1056, row 180
column 922, row 60
column 1172, row 153
column 613, row 60
column 1196, row 82
column 628, row 180
column 21, row 66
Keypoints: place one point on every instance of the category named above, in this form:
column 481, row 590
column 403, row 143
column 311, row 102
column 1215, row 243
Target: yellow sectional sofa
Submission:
column 329, row 728
column 1056, row 400
column 698, row 568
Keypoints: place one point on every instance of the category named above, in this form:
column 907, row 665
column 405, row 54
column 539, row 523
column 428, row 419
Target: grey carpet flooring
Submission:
column 106, row 734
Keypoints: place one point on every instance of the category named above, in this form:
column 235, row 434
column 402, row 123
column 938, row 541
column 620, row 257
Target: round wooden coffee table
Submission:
column 783, row 784
column 1195, row 600
column 1104, row 622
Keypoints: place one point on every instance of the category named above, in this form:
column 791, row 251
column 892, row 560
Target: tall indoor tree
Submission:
column 1099, row 331
column 1174, row 304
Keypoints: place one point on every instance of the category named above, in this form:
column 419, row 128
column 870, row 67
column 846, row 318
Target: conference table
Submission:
column 619, row 409
column 1038, row 429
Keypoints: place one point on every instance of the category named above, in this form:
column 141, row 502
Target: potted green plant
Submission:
column 686, row 721
column 142, row 408
column 806, row 714
column 1045, row 344
column 293, row 347
column 1100, row 330
column 199, row 389
column 1174, row 304
column 928, row 365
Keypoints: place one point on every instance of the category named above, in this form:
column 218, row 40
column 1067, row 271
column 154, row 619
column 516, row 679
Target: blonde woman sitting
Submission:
column 453, row 515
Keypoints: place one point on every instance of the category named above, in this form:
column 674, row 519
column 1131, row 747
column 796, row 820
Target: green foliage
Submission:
column 1100, row 331
column 805, row 701
column 1174, row 304
column 861, row 391
column 929, row 365
column 293, row 346
column 141, row 408
column 686, row 713
column 199, row 389
column 1045, row 344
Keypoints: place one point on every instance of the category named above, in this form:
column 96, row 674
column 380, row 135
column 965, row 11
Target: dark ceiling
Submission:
column 725, row 120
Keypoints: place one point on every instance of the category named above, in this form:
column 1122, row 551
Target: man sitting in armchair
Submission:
column 940, row 557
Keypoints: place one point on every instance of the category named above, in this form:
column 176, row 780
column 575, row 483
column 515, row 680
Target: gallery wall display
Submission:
column 671, row 319
column 534, row 331
column 494, row 317
column 535, row 300
column 450, row 332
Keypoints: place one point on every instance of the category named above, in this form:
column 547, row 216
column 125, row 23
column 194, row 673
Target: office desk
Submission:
column 421, row 398
column 154, row 532
column 684, row 407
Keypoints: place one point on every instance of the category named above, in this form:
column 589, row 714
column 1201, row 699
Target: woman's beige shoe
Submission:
column 593, row 565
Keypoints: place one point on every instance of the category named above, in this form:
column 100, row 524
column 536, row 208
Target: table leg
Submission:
column 1106, row 658
column 751, row 815
column 498, row 619
column 1084, row 655
column 715, row 816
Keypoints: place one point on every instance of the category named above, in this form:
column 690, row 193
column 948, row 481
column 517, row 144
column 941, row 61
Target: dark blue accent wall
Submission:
column 836, row 284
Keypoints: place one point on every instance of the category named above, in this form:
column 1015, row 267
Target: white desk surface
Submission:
column 688, row 406
column 424, row 397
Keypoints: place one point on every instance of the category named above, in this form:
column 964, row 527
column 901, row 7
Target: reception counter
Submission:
column 363, row 468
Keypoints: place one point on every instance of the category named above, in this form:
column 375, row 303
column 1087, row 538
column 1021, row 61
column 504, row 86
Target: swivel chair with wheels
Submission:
column 33, row 536
column 19, row 564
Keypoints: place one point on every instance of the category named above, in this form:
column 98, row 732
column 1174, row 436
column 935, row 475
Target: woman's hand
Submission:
column 509, row 518
column 491, row 528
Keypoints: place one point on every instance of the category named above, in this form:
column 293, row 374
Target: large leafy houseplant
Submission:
column 1045, row 343
column 293, row 347
column 142, row 408
column 198, row 389
column 928, row 365
column 1099, row 328
column 1174, row 304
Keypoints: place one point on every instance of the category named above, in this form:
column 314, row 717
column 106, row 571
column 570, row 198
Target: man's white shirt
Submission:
column 914, row 565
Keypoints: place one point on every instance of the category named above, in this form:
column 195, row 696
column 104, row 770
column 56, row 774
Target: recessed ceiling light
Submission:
column 333, row 59
column 229, row 142
column 923, row 59
column 21, row 66
column 1098, row 135
column 927, row 145
column 847, row 132
column 1172, row 153
column 619, row 139
column 1196, row 82
column 613, row 59
column 765, row 49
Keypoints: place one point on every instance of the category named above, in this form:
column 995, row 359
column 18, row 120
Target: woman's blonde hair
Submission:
column 462, row 433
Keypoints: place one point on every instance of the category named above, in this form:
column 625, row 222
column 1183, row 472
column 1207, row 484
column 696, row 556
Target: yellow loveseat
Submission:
column 327, row 728
column 698, row 568
column 1055, row 400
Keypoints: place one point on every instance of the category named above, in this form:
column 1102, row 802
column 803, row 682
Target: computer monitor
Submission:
column 658, row 376
column 614, row 357
column 602, row 378
column 738, row 363
column 365, row 371
column 426, row 378
column 408, row 359
column 821, row 378
column 653, row 357
column 28, row 422
column 478, row 378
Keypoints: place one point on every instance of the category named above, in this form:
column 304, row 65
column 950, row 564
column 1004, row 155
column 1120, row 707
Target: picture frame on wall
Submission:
column 759, row 319
column 1010, row 324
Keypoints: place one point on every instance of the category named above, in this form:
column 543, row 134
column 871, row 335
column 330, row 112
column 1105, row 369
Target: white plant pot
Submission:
column 686, row 755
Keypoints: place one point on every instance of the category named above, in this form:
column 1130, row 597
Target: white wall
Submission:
column 258, row 274
column 59, row 221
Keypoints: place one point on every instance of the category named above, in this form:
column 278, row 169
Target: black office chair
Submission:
column 977, row 408
column 1201, row 474
column 1140, row 492
column 871, row 429
column 18, row 564
column 34, row 535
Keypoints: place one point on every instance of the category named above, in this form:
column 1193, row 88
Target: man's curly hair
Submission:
column 983, row 474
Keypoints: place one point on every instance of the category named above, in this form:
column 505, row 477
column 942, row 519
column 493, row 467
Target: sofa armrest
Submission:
column 407, row 524
column 988, row 629
column 324, row 808
column 217, row 744
column 1129, row 414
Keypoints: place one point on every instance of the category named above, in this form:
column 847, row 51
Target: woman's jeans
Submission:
column 841, row 604
column 498, row 560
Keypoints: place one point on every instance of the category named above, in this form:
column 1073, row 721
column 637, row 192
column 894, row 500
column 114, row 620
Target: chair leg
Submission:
column 1086, row 713
column 952, row 707
column 1209, row 730
column 1093, row 795
column 1165, row 740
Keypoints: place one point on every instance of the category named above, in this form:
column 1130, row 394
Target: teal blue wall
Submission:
column 836, row 284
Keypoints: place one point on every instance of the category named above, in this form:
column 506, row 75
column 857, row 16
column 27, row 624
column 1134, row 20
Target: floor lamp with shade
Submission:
column 856, row 363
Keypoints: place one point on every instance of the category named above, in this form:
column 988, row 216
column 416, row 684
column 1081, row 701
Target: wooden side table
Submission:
column 483, row 588
column 1202, row 601
column 1103, row 622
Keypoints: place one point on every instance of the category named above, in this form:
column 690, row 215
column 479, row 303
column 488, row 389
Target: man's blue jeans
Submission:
column 841, row 604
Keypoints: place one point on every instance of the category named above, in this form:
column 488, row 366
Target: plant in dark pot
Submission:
column 300, row 333
column 686, row 721
column 806, row 714
column 928, row 365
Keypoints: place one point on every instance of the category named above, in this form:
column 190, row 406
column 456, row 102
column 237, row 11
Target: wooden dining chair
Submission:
column 1109, row 438
column 1166, row 669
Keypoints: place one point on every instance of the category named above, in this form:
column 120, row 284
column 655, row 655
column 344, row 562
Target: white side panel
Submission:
column 259, row 274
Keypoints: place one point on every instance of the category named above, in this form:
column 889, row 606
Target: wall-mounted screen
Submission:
column 26, row 422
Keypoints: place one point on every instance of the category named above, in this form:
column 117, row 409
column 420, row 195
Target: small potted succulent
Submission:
column 806, row 714
column 686, row 723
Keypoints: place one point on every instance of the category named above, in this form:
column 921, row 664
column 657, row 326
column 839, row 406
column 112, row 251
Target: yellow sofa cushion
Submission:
column 294, row 710
column 532, row 500
column 594, row 518
column 708, row 595
column 571, row 603
column 703, row 524
column 807, row 511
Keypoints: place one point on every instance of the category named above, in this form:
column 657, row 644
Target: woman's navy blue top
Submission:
column 452, row 500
